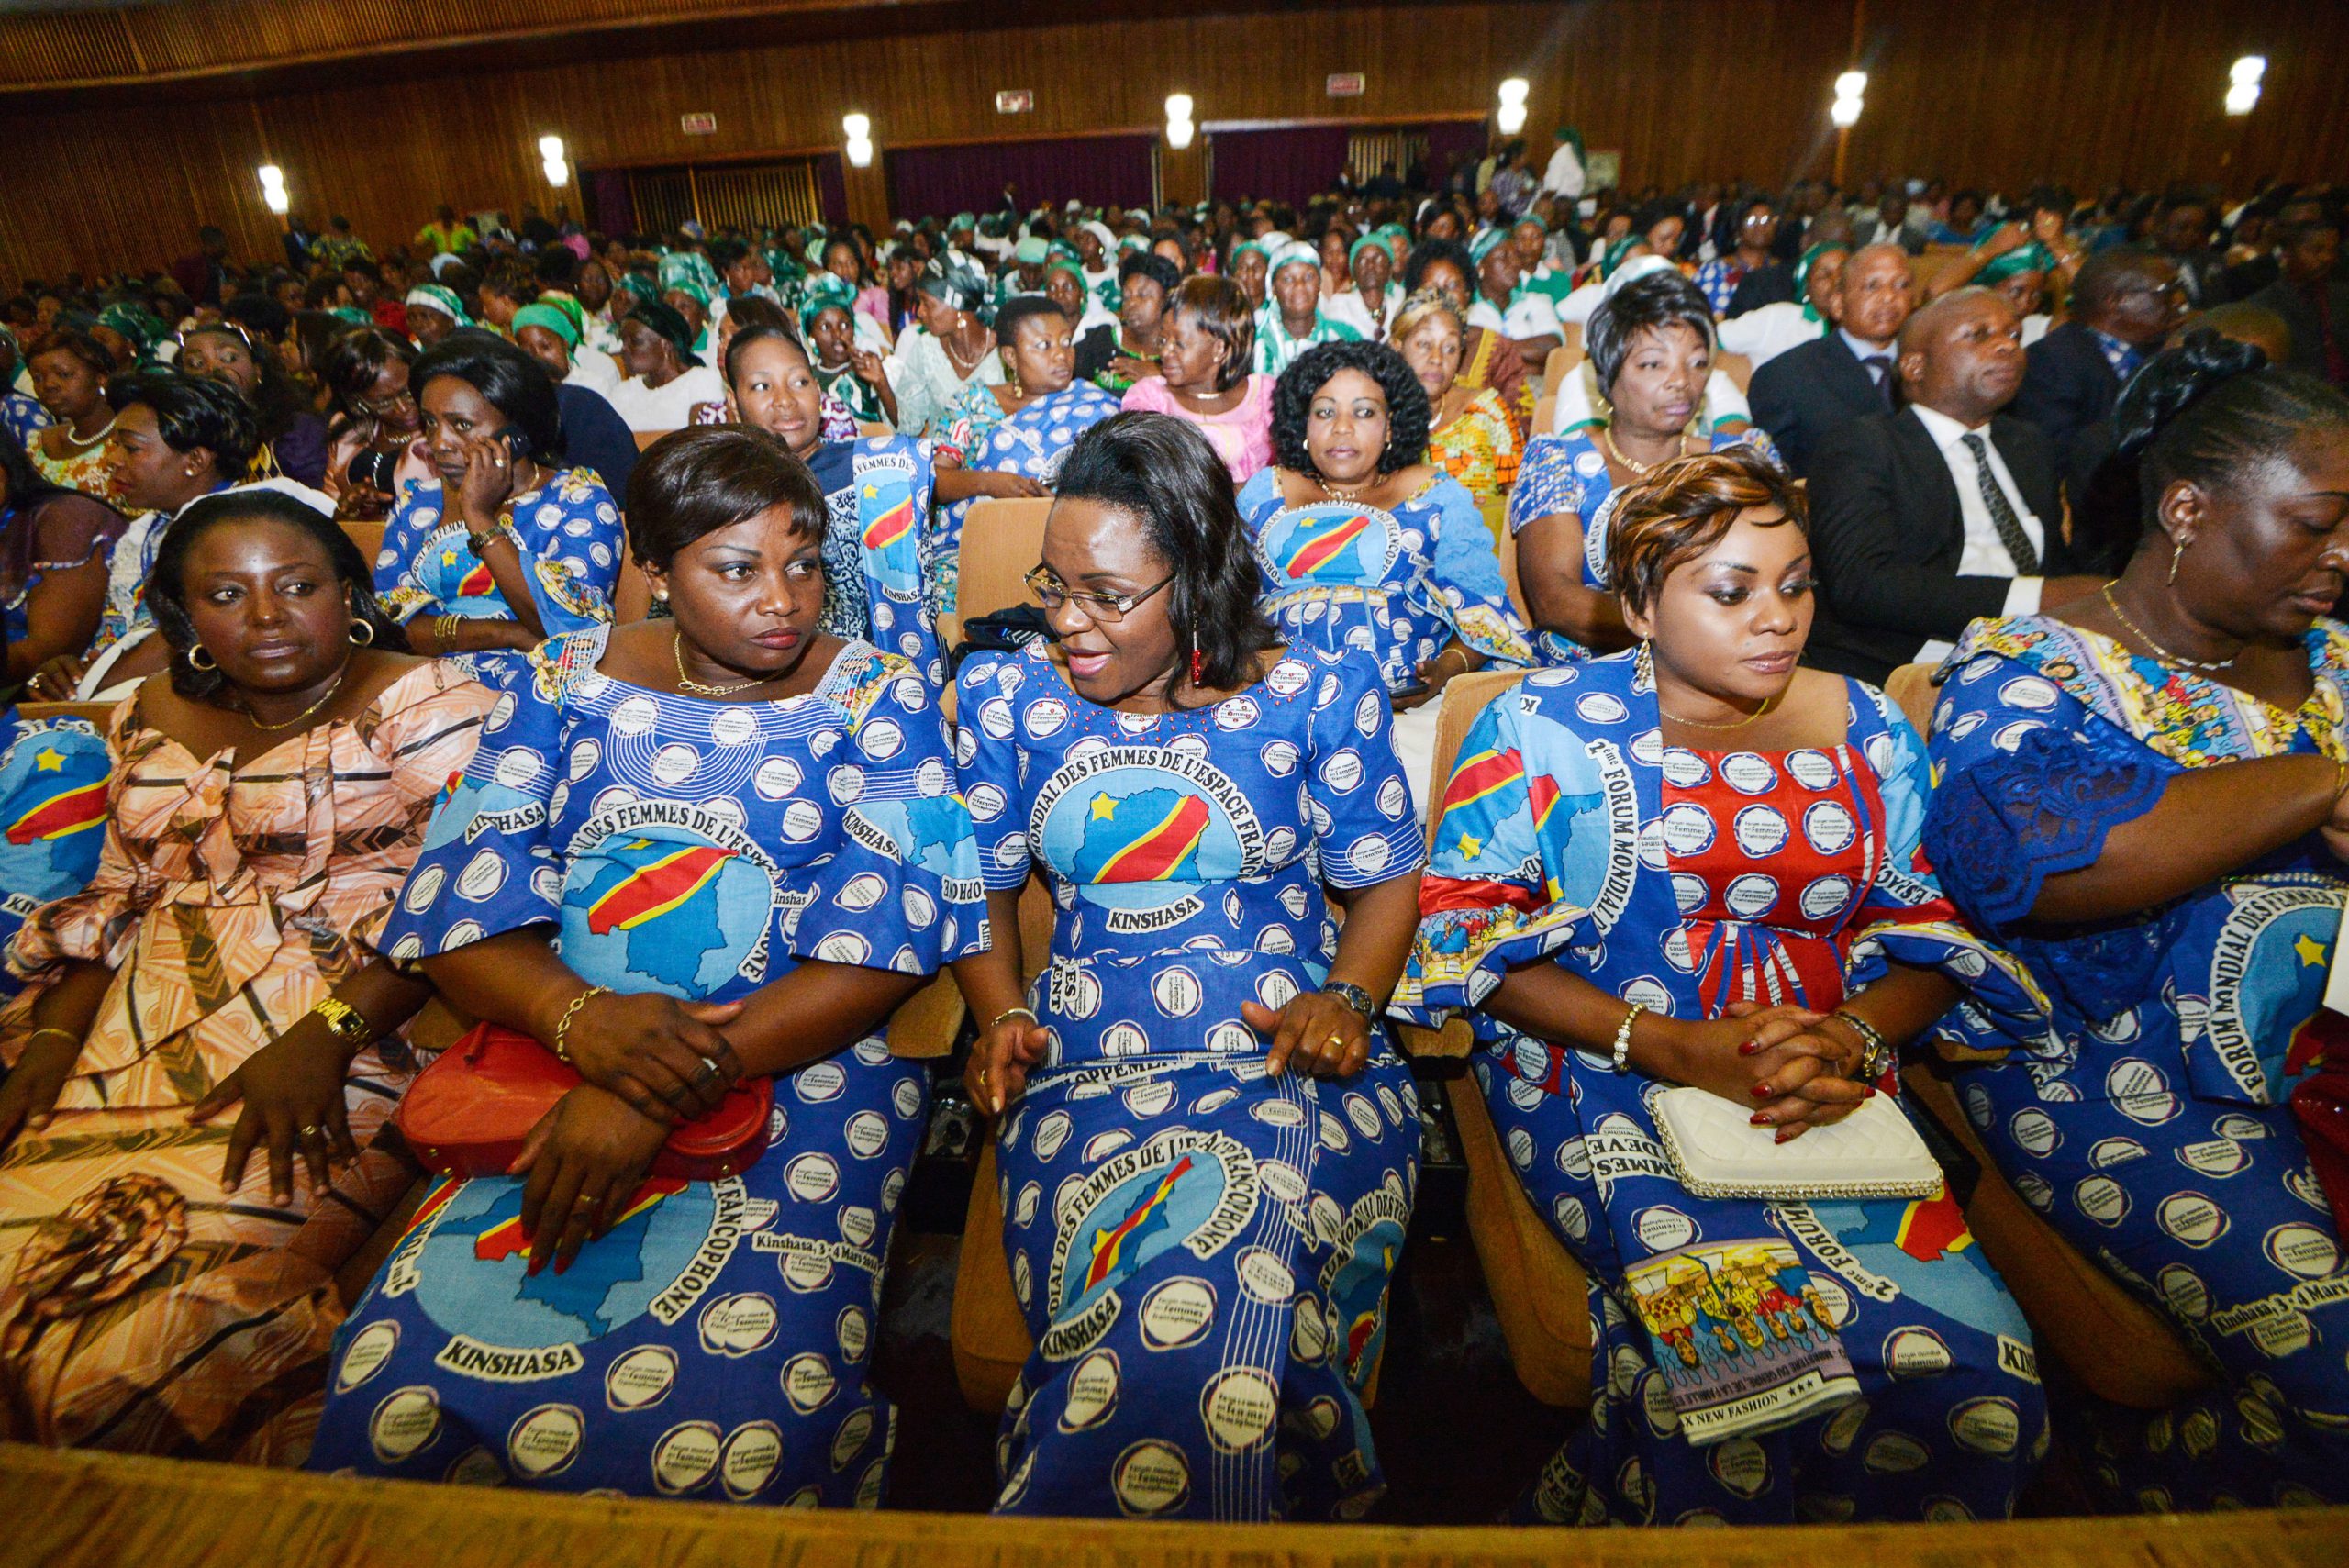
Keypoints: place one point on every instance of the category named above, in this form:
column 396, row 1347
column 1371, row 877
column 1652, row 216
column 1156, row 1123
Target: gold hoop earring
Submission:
column 2176, row 551
column 200, row 658
column 368, row 627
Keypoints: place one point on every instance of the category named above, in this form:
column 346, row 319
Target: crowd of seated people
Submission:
column 558, row 629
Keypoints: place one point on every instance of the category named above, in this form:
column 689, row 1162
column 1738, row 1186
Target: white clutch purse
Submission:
column 1718, row 1152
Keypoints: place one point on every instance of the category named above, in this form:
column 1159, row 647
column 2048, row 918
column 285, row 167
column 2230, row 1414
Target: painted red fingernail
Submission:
column 1783, row 1136
column 1758, row 1120
column 1762, row 1091
column 1749, row 1048
column 537, row 1263
column 562, row 1265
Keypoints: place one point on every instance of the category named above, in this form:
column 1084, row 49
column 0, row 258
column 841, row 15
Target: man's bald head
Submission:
column 1878, row 292
column 1962, row 355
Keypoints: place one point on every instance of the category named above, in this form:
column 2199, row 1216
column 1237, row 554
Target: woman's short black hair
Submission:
column 1025, row 307
column 510, row 277
column 355, row 358
column 1221, row 311
column 1426, row 253
column 744, row 311
column 1160, row 471
column 1154, row 266
column 1406, row 402
column 167, row 587
column 2211, row 407
column 762, row 332
column 277, row 402
column 1650, row 303
column 695, row 481
column 95, row 356
column 193, row 413
column 258, row 314
column 508, row 378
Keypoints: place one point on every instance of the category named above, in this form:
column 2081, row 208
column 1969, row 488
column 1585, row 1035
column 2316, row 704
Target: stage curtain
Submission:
column 941, row 181
column 1287, row 163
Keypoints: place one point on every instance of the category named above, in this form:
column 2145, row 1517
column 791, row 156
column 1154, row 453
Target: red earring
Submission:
column 1198, row 668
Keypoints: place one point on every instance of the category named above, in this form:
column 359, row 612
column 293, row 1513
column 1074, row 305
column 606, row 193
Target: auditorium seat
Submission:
column 368, row 536
column 2119, row 1348
column 96, row 712
column 1540, row 1293
column 1562, row 360
column 645, row 439
column 1545, row 410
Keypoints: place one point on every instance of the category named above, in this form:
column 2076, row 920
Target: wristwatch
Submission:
column 1353, row 997
column 344, row 1022
column 479, row 543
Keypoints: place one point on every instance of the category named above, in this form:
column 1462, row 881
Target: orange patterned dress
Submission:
column 1480, row 447
column 141, row 1308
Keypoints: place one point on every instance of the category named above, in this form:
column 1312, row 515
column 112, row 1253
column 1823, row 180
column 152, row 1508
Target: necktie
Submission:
column 1880, row 368
column 2002, row 516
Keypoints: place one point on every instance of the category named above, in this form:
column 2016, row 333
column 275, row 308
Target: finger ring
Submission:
column 309, row 1132
column 1335, row 1040
column 708, row 1069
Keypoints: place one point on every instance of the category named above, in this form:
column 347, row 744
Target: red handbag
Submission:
column 468, row 1113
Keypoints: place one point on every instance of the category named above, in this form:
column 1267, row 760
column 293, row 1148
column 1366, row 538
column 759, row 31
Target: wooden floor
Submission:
column 75, row 1510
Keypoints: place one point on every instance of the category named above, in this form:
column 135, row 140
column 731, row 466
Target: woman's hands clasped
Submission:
column 1788, row 1066
column 1001, row 1059
column 664, row 1057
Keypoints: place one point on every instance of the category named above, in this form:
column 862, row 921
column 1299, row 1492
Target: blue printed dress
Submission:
column 53, row 776
column 1202, row 1252
column 876, row 546
column 568, row 532
column 714, row 1343
column 1031, row 443
column 2150, row 1122
column 1568, row 474
column 1755, row 1361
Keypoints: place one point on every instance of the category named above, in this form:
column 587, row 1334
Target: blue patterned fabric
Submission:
column 1201, row 1251
column 23, row 416
column 53, row 776
column 716, row 1344
column 1686, row 881
column 876, row 546
column 568, row 532
column 1031, row 443
column 2148, row 1123
column 1568, row 474
column 1400, row 583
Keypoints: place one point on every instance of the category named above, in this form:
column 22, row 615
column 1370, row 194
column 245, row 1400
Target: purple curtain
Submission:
column 1287, row 164
column 610, row 210
column 941, row 181
column 831, row 191
column 1451, row 141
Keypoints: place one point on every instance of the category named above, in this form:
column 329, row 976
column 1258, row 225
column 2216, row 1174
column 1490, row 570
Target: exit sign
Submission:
column 698, row 125
column 1014, row 101
column 1346, row 84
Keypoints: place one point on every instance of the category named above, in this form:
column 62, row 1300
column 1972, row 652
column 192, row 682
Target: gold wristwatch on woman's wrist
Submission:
column 345, row 1023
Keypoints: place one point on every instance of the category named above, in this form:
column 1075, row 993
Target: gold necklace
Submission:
column 1768, row 703
column 2163, row 654
column 254, row 719
column 1607, row 434
column 1341, row 493
column 692, row 687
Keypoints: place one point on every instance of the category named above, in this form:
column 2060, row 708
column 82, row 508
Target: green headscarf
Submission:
column 1296, row 253
column 689, row 286
column 1616, row 252
column 554, row 320
column 1247, row 244
column 663, row 319
column 1367, row 242
column 353, row 315
column 825, row 290
column 432, row 296
column 1485, row 243
column 139, row 326
column 1802, row 274
column 638, row 284
column 2029, row 257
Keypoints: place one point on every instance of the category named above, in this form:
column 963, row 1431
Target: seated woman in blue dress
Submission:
column 1208, row 1146
column 689, row 849
column 1652, row 347
column 877, row 492
column 1010, row 439
column 1695, row 865
column 1362, row 544
column 504, row 548
column 2144, row 798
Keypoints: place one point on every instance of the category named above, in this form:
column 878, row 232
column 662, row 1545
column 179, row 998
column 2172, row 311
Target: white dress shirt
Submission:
column 1984, row 555
column 1529, row 314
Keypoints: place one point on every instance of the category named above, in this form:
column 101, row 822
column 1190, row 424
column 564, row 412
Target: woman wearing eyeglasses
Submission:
column 1207, row 1146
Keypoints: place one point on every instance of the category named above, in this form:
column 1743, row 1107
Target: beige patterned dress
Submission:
column 141, row 1308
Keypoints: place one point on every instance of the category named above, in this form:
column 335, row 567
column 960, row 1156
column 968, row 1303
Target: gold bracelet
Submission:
column 444, row 632
column 1028, row 1013
column 52, row 1028
column 563, row 1027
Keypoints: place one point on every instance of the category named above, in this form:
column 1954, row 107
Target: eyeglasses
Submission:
column 385, row 407
column 1102, row 610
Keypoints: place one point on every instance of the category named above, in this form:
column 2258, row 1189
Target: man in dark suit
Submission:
column 1922, row 521
column 2312, row 299
column 2123, row 303
column 1807, row 391
column 2184, row 235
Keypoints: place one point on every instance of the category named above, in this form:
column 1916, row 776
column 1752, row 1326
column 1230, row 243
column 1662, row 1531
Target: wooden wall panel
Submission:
column 2002, row 91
